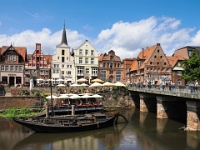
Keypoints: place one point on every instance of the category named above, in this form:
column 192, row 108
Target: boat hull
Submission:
column 57, row 128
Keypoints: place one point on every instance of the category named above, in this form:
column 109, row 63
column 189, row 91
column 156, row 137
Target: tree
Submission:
column 191, row 67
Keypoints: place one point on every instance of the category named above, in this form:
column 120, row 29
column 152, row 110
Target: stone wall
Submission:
column 20, row 102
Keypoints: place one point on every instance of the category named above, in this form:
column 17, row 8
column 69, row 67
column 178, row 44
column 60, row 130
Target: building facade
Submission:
column 12, row 61
column 86, row 61
column 37, row 66
column 110, row 67
column 63, row 62
column 151, row 66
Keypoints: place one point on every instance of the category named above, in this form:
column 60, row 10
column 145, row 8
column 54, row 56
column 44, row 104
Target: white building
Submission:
column 86, row 61
column 62, row 61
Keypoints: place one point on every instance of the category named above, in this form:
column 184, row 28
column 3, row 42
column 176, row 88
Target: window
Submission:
column 20, row 68
column 80, row 70
column 179, row 64
column 118, row 75
column 80, row 52
column 42, row 72
column 18, row 80
column 165, row 63
column 63, row 59
column 80, row 60
column 4, row 80
column 27, row 79
column 63, row 66
column 63, row 72
column 54, row 71
column 92, row 60
column 179, row 82
column 94, row 71
column 103, row 75
column 11, row 68
column 86, row 60
column 111, row 58
column 6, row 68
column 92, row 52
column 67, row 66
column 179, row 72
column 86, row 52
column 190, row 53
column 16, row 68
column 67, row 58
column 58, row 57
column 70, row 66
column 56, row 65
column 155, row 56
column 111, row 72
column 2, row 68
column 68, row 72
column 14, row 57
column 87, row 71
column 8, row 57
column 63, row 52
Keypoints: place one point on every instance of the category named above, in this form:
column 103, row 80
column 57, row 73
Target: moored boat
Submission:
column 69, row 123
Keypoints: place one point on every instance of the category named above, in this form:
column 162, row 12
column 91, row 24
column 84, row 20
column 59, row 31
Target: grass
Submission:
column 13, row 112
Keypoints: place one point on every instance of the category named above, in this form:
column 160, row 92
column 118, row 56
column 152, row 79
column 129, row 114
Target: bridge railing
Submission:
column 163, row 88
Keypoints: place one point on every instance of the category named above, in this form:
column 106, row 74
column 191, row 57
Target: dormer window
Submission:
column 111, row 58
column 14, row 57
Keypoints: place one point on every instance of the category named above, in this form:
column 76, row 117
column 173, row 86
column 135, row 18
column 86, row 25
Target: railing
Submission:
column 173, row 89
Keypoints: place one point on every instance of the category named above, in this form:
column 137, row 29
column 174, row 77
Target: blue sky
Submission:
column 125, row 26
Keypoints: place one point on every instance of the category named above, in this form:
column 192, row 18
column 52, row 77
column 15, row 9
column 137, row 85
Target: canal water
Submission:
column 143, row 132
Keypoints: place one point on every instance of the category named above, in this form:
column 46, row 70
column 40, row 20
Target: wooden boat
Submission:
column 69, row 124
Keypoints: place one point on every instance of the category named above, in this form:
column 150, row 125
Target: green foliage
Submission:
column 37, row 94
column 11, row 111
column 24, row 111
column 44, row 95
column 191, row 67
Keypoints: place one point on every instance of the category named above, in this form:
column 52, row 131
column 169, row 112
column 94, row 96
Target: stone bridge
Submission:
column 180, row 105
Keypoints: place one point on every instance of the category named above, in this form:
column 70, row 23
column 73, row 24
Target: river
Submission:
column 143, row 132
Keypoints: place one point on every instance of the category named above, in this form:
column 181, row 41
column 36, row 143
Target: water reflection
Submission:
column 143, row 132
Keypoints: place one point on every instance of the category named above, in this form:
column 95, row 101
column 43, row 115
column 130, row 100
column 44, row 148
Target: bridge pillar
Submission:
column 147, row 102
column 171, row 107
column 193, row 115
column 136, row 98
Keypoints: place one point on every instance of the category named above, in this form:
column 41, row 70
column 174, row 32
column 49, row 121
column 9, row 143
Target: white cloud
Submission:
column 48, row 41
column 128, row 38
column 125, row 38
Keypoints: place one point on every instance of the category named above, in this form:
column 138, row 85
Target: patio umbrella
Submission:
column 97, row 80
column 60, row 85
column 108, row 84
column 74, row 96
column 60, row 80
column 74, row 85
column 83, row 84
column 82, row 80
column 118, row 84
column 63, row 96
column 86, row 96
column 96, row 96
column 96, row 84
column 53, row 97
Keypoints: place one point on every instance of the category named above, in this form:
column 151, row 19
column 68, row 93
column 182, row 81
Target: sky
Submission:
column 125, row 26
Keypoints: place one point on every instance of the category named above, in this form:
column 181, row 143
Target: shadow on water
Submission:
column 77, row 138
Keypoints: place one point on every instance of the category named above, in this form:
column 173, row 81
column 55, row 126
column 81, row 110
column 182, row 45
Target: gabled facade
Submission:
column 110, row 67
column 12, row 61
column 127, row 62
column 186, row 51
column 63, row 62
column 175, row 62
column 152, row 65
column 37, row 66
column 86, row 61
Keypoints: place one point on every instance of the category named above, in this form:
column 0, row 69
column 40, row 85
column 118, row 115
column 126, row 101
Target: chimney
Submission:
column 158, row 44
